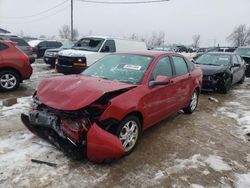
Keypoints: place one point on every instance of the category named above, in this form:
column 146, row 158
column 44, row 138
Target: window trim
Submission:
column 5, row 47
column 171, row 64
column 175, row 74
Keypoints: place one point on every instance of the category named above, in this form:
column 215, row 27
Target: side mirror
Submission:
column 160, row 81
column 105, row 49
column 236, row 65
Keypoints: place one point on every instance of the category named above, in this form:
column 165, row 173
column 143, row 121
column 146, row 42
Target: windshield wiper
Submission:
column 127, row 81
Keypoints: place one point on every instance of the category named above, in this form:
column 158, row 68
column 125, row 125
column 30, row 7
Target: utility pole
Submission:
column 72, row 28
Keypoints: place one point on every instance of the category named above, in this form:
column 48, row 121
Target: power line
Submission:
column 124, row 2
column 42, row 18
column 37, row 14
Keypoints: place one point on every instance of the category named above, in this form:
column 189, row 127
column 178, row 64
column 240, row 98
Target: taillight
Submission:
column 24, row 57
column 29, row 49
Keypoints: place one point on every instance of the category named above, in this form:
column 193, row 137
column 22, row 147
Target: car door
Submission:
column 242, row 67
column 182, row 81
column 236, row 69
column 3, row 47
column 160, row 101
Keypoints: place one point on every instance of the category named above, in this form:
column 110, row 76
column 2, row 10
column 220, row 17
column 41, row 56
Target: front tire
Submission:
column 129, row 132
column 193, row 103
column 9, row 80
column 227, row 86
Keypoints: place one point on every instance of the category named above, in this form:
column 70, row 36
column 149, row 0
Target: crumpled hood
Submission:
column 210, row 69
column 76, row 91
column 75, row 53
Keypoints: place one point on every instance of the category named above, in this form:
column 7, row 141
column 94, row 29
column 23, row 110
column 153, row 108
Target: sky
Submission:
column 213, row 20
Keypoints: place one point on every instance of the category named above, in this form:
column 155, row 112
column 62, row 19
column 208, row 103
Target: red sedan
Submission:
column 14, row 66
column 103, row 112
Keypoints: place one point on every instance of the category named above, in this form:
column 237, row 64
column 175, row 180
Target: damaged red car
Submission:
column 102, row 113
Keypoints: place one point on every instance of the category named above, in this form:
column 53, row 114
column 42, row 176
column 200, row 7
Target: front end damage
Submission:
column 78, row 133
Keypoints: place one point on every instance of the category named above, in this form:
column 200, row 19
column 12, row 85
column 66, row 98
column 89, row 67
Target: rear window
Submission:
column 3, row 47
column 19, row 41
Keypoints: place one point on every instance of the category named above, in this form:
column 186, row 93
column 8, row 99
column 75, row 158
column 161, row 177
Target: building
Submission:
column 3, row 31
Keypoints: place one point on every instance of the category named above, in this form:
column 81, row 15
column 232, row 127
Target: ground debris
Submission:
column 213, row 99
column 9, row 102
column 43, row 162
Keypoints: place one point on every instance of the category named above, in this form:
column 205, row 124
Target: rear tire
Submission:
column 129, row 132
column 9, row 80
column 193, row 103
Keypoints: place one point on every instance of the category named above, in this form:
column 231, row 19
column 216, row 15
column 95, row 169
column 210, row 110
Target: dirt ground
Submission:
column 209, row 148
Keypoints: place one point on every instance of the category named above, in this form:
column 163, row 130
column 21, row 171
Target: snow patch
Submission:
column 196, row 186
column 242, row 180
column 217, row 163
column 23, row 104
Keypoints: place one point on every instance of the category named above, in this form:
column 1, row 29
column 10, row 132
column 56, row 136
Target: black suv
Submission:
column 21, row 44
column 41, row 46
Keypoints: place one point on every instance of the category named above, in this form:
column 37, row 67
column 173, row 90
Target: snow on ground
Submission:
column 23, row 104
column 239, row 111
column 242, row 180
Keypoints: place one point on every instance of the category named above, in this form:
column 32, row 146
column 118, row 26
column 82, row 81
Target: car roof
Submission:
column 221, row 53
column 151, row 53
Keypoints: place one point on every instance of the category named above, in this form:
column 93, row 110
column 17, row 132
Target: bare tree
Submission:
column 65, row 33
column 196, row 41
column 156, row 40
column 240, row 36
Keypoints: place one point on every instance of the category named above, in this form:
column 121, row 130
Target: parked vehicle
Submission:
column 14, row 66
column 90, row 49
column 50, row 55
column 20, row 44
column 244, row 52
column 221, row 70
column 40, row 46
column 103, row 111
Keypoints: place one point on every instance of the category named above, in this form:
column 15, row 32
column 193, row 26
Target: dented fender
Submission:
column 102, row 145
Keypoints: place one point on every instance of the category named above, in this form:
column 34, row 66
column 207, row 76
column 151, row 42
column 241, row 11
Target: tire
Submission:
column 129, row 132
column 227, row 86
column 242, row 79
column 193, row 103
column 9, row 80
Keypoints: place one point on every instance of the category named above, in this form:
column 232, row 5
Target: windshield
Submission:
column 213, row 59
column 34, row 43
column 19, row 41
column 121, row 67
column 67, row 45
column 243, row 51
column 89, row 44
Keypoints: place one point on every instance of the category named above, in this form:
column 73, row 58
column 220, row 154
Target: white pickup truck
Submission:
column 88, row 50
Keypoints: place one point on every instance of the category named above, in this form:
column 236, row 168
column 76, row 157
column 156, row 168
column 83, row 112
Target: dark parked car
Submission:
column 20, row 44
column 40, row 46
column 244, row 52
column 14, row 66
column 221, row 70
column 50, row 55
column 103, row 112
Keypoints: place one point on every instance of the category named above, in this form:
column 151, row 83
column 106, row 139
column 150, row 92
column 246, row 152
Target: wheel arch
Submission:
column 137, row 114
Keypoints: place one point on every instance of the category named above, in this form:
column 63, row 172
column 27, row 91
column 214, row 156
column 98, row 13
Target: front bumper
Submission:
column 68, row 69
column 99, row 146
column 49, row 60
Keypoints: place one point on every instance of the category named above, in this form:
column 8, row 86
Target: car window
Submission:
column 180, row 65
column 109, row 46
column 3, row 47
column 162, row 68
column 235, row 60
column 240, row 59
column 19, row 41
column 43, row 44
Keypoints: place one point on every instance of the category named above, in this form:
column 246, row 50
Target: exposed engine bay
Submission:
column 75, row 132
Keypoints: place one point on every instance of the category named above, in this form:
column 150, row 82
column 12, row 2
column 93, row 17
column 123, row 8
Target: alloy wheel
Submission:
column 8, row 81
column 129, row 135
